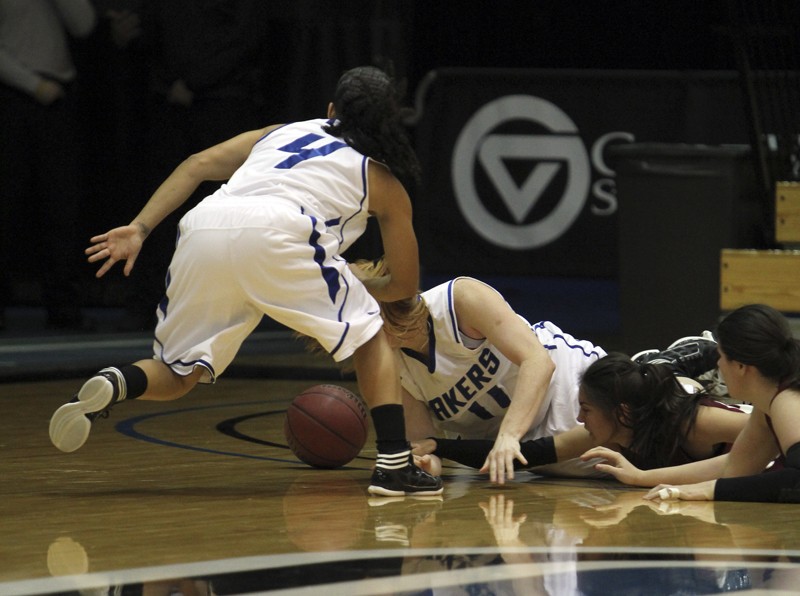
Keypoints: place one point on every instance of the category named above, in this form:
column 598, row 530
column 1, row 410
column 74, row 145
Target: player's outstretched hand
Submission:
column 702, row 491
column 615, row 464
column 500, row 461
column 119, row 244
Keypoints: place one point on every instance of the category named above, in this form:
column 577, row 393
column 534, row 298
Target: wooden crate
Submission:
column 787, row 212
column 760, row 276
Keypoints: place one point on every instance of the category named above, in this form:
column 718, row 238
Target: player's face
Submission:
column 600, row 425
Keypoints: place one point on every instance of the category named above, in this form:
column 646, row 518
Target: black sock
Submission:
column 390, row 428
column 135, row 380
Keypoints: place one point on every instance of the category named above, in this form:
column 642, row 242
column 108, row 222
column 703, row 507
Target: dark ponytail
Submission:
column 369, row 118
column 645, row 398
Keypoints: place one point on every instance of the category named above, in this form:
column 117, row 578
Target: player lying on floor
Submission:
column 472, row 367
column 641, row 410
column 760, row 362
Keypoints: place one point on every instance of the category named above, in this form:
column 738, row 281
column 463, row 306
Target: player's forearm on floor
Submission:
column 473, row 452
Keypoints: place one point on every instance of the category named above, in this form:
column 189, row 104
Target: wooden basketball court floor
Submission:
column 202, row 496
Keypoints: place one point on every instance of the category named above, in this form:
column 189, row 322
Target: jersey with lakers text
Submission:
column 468, row 384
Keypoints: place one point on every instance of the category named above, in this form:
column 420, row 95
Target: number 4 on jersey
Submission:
column 300, row 150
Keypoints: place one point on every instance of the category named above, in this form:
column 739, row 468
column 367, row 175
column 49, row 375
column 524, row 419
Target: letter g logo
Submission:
column 549, row 152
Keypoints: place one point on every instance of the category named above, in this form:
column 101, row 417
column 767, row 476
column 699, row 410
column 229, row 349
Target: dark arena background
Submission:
column 628, row 169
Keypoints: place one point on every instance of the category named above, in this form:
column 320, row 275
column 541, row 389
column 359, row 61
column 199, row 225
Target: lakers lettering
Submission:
column 476, row 380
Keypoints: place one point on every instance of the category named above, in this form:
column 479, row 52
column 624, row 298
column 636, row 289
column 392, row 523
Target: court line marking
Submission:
column 262, row 562
column 127, row 428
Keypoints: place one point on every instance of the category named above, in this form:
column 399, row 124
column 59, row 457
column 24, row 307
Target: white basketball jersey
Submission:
column 320, row 173
column 468, row 388
column 268, row 242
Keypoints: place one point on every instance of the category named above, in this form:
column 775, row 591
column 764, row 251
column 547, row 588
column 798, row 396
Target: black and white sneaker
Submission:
column 71, row 423
column 395, row 475
column 691, row 357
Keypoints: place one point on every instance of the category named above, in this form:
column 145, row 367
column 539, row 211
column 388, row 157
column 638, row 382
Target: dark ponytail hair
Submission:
column 369, row 118
column 645, row 398
column 758, row 335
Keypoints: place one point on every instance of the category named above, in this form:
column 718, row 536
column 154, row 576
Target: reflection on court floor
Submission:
column 202, row 496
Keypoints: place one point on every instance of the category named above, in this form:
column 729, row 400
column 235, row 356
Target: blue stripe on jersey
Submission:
column 300, row 151
column 364, row 163
column 339, row 317
column 341, row 341
column 429, row 360
column 163, row 304
column 329, row 274
column 540, row 325
column 451, row 311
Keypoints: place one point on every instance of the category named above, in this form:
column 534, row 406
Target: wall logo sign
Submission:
column 481, row 145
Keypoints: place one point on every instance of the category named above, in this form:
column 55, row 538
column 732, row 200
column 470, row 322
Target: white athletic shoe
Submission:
column 71, row 423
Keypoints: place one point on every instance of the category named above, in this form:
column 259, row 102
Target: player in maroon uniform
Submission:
column 760, row 362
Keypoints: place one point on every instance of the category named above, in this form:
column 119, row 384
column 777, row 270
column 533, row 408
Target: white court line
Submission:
column 243, row 564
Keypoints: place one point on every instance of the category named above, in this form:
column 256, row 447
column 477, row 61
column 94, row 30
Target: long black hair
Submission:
column 647, row 399
column 369, row 118
column 758, row 335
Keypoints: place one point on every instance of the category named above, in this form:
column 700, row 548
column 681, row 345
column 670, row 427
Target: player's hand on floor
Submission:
column 702, row 491
column 119, row 244
column 614, row 464
column 500, row 461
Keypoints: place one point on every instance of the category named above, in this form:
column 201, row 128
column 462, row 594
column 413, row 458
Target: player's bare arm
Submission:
column 753, row 449
column 712, row 427
column 786, row 417
column 215, row 163
column 390, row 204
column 618, row 466
column 482, row 312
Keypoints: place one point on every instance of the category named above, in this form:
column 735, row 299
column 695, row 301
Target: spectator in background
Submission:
column 206, row 62
column 39, row 145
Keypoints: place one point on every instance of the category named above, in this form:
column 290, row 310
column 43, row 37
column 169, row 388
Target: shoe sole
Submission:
column 688, row 339
column 69, row 426
column 380, row 501
column 385, row 492
column 643, row 353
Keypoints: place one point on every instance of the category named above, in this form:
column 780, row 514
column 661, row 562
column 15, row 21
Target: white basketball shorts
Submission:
column 239, row 259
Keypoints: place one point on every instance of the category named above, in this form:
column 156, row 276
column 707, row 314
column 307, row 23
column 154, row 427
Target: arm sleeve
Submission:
column 777, row 486
column 473, row 452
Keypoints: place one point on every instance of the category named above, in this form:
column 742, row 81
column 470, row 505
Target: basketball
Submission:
column 326, row 426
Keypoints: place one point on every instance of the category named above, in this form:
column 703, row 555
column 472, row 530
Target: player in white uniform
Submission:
column 472, row 368
column 467, row 383
column 268, row 242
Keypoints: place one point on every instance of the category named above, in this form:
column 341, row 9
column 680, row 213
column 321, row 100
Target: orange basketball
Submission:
column 326, row 426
